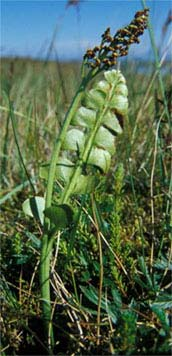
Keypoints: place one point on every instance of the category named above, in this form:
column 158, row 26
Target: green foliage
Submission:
column 115, row 219
column 135, row 307
column 93, row 141
column 60, row 216
column 34, row 207
column 128, row 330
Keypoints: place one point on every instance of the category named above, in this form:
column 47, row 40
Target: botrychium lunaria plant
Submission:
column 86, row 139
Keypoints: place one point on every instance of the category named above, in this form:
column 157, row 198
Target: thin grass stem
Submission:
column 157, row 63
column 18, row 147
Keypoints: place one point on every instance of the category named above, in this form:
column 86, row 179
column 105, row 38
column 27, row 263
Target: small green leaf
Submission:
column 35, row 242
column 163, row 264
column 74, row 140
column 60, row 216
column 114, row 77
column 21, row 259
column 104, row 139
column 95, row 99
column 145, row 271
column 120, row 104
column 121, row 89
column 116, row 298
column 100, row 158
column 112, row 123
column 103, row 86
column 92, row 295
column 64, row 169
column 34, row 207
column 85, row 276
column 162, row 316
column 85, row 185
column 84, row 117
column 163, row 302
column 43, row 171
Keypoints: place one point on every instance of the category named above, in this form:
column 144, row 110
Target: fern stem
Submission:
column 46, row 252
column 70, row 186
column 59, row 141
column 47, row 241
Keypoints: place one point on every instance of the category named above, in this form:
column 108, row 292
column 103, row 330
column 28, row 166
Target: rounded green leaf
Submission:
column 100, row 158
column 84, row 117
column 74, row 140
column 34, row 207
column 111, row 122
column 95, row 99
column 121, row 89
column 85, row 185
column 61, row 216
column 104, row 139
column 114, row 77
column 43, row 171
column 120, row 104
column 103, row 86
column 64, row 169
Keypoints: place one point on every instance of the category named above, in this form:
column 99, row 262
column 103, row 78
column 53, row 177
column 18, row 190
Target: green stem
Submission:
column 59, row 141
column 18, row 146
column 71, row 184
column 47, row 241
column 45, row 291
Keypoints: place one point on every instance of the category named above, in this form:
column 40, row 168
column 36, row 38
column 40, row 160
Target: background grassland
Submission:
column 132, row 214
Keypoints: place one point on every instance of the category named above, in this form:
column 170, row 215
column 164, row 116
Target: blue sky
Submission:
column 27, row 26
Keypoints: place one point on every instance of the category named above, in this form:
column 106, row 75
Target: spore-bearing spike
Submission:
column 105, row 55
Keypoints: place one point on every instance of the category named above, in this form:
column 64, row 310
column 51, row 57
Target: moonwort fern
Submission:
column 91, row 137
column 85, row 144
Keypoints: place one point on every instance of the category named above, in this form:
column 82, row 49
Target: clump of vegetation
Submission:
column 90, row 274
